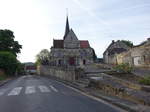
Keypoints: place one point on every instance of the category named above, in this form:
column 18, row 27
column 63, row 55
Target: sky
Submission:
column 36, row 23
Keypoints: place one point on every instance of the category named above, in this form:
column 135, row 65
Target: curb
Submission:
column 6, row 81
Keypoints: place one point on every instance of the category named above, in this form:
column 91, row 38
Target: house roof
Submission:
column 116, row 51
column 71, row 36
column 144, row 43
column 84, row 44
column 117, row 42
column 58, row 43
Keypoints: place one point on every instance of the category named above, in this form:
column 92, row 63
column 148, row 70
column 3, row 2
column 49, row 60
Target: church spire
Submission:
column 67, row 29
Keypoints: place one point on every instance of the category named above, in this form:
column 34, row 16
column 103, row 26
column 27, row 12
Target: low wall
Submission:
column 120, row 88
column 68, row 74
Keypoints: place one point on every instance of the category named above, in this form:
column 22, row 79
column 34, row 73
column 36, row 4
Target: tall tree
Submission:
column 8, row 62
column 7, row 42
column 128, row 43
column 43, row 57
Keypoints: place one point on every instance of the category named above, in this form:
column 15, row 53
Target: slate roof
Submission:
column 67, row 29
column 113, row 42
column 69, row 33
column 58, row 43
column 116, row 51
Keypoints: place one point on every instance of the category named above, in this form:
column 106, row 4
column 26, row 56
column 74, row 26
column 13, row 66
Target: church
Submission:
column 70, row 51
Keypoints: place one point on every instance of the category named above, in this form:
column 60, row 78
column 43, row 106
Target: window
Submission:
column 84, row 62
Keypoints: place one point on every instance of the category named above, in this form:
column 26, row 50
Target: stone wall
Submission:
column 63, row 55
column 124, row 57
column 68, row 74
column 138, row 57
column 115, row 48
column 121, row 88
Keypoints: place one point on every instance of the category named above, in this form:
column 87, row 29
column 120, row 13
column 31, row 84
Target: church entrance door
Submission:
column 71, row 61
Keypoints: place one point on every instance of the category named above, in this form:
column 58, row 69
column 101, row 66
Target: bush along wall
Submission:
column 123, row 68
column 8, row 62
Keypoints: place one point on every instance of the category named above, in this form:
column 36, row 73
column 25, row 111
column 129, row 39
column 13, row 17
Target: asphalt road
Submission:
column 39, row 94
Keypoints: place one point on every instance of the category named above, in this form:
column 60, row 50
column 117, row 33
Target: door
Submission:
column 136, row 61
column 71, row 61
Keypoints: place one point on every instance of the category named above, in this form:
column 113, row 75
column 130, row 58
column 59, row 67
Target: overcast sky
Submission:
column 36, row 22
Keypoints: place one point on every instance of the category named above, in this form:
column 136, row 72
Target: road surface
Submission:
column 39, row 94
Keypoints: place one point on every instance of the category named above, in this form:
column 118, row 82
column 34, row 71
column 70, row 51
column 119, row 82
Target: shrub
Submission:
column 3, row 77
column 145, row 81
column 123, row 68
column 8, row 62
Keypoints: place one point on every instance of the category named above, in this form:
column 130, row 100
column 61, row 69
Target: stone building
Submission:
column 70, row 51
column 138, row 56
column 115, row 48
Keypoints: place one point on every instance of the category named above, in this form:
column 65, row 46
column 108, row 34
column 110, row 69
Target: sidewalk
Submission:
column 6, row 81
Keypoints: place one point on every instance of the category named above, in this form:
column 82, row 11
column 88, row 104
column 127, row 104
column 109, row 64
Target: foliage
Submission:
column 7, row 42
column 8, row 62
column 145, row 80
column 123, row 68
column 3, row 77
column 20, row 68
column 128, row 43
column 43, row 57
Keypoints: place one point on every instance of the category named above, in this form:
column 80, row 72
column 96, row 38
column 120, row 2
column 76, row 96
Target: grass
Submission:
column 123, row 68
column 3, row 77
column 145, row 81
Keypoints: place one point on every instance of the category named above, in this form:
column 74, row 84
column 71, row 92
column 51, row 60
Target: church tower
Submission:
column 67, row 29
column 70, row 51
column 70, row 38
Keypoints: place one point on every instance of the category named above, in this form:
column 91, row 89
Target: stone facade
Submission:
column 67, row 74
column 115, row 48
column 70, row 51
column 138, row 56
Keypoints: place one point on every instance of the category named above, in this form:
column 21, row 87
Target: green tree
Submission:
column 43, row 57
column 128, row 43
column 7, row 42
column 20, row 68
column 8, row 63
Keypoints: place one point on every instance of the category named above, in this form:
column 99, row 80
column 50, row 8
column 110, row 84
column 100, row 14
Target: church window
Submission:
column 84, row 62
